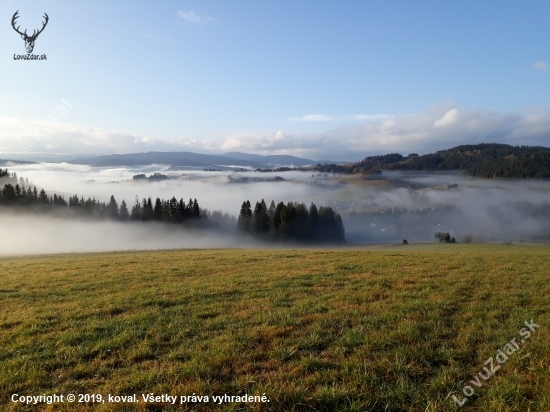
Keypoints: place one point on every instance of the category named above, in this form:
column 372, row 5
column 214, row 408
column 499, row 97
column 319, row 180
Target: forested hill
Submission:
column 481, row 160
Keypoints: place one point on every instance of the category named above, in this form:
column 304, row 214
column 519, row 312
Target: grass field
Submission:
column 394, row 329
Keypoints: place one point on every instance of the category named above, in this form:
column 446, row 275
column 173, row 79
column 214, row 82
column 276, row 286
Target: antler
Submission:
column 43, row 25
column 15, row 17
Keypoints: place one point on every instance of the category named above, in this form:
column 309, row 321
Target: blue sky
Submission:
column 324, row 79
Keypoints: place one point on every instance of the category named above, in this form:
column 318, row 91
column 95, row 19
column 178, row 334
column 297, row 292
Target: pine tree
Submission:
column 136, row 210
column 340, row 230
column 173, row 210
column 113, row 208
column 271, row 213
column 313, row 221
column 158, row 210
column 244, row 223
column 196, row 209
column 260, row 218
column 189, row 211
column 8, row 193
column 277, row 217
column 181, row 210
column 43, row 197
column 124, row 215
column 147, row 209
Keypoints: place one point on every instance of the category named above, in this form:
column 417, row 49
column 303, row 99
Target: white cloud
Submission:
column 439, row 127
column 346, row 117
column 312, row 118
column 540, row 65
column 193, row 17
column 448, row 119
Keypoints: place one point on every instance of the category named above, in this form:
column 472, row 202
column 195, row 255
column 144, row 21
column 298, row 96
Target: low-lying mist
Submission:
column 375, row 209
column 34, row 234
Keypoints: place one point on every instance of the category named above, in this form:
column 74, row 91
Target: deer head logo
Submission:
column 29, row 40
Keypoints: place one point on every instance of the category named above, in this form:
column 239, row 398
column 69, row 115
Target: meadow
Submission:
column 396, row 328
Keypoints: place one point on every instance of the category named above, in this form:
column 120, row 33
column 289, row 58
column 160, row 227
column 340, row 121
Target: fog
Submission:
column 32, row 234
column 492, row 210
column 214, row 190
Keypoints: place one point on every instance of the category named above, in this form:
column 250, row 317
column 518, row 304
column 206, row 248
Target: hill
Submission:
column 397, row 329
column 189, row 159
column 5, row 162
column 481, row 160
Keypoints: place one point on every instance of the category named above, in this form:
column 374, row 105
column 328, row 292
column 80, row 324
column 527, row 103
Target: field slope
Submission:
column 397, row 329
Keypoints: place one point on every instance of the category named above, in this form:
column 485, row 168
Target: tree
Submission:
column 147, row 209
column 173, row 209
column 181, row 210
column 123, row 214
column 277, row 217
column 340, row 231
column 244, row 223
column 271, row 213
column 196, row 210
column 157, row 213
column 113, row 208
column 136, row 210
column 261, row 218
column 43, row 197
column 313, row 220
column 8, row 193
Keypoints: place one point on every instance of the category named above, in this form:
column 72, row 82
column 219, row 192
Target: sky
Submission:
column 324, row 80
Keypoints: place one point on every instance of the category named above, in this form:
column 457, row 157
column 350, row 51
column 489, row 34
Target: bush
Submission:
column 405, row 242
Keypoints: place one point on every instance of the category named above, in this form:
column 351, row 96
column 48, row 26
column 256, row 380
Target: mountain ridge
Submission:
column 190, row 159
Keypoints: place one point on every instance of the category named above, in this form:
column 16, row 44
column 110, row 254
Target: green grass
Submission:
column 395, row 329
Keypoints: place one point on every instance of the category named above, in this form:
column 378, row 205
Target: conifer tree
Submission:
column 260, row 218
column 196, row 209
column 113, row 208
column 123, row 213
column 158, row 209
column 244, row 223
column 271, row 213
column 136, row 210
column 43, row 197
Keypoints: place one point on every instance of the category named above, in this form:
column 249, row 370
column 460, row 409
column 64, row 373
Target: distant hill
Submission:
column 273, row 160
column 182, row 159
column 4, row 162
column 482, row 160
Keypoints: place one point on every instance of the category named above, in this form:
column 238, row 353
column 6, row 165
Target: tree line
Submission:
column 291, row 222
column 491, row 160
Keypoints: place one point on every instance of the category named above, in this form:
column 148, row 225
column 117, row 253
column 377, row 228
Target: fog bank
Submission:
column 34, row 234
